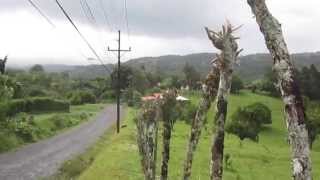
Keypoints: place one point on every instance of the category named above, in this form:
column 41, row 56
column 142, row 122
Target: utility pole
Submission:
column 119, row 50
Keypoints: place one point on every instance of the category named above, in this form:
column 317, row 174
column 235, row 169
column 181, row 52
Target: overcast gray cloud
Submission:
column 157, row 27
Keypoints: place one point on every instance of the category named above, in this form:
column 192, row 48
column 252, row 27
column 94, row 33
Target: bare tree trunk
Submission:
column 226, row 42
column 294, row 109
column 209, row 93
column 147, row 129
column 168, row 103
column 3, row 64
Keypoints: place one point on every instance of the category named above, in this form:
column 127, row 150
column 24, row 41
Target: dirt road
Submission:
column 44, row 158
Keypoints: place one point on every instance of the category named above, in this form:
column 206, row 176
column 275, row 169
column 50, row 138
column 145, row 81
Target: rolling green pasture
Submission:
column 116, row 156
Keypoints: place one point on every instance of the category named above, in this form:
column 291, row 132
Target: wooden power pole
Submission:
column 119, row 50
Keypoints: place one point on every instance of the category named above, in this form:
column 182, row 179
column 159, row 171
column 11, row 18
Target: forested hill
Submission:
column 251, row 66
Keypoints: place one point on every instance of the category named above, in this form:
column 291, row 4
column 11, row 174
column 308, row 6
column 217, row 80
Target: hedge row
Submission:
column 34, row 105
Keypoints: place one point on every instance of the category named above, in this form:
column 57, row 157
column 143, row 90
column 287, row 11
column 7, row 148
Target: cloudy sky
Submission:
column 157, row 27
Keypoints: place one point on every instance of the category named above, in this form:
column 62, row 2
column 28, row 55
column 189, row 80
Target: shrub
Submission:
column 7, row 141
column 132, row 97
column 109, row 94
column 246, row 122
column 236, row 85
column 61, row 121
column 82, row 97
column 22, row 127
column 187, row 111
column 34, row 105
column 260, row 112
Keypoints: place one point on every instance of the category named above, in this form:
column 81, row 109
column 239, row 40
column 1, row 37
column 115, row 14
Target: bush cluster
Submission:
column 33, row 105
column 82, row 97
column 247, row 121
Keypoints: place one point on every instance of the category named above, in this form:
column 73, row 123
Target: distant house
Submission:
column 156, row 96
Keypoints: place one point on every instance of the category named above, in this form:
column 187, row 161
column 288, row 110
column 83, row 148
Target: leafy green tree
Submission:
column 247, row 121
column 36, row 69
column 126, row 74
column 236, row 85
column 313, row 121
column 191, row 75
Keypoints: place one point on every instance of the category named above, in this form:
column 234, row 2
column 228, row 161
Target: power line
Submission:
column 41, row 13
column 82, row 36
column 84, row 11
column 90, row 11
column 49, row 21
column 105, row 14
column 126, row 18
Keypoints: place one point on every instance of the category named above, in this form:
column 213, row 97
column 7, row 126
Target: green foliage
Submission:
column 7, row 141
column 309, row 80
column 6, row 91
column 246, row 122
column 36, row 69
column 34, row 105
column 236, row 85
column 186, row 111
column 132, row 97
column 126, row 74
column 313, row 121
column 192, row 76
column 260, row 112
column 82, row 97
column 108, row 94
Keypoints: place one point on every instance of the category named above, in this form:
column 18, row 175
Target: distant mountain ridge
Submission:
column 251, row 66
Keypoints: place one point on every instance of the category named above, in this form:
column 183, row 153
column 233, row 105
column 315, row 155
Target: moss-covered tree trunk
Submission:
column 167, row 107
column 209, row 93
column 147, row 132
column 226, row 42
column 294, row 109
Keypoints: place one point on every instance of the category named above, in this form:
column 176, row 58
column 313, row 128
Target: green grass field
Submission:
column 116, row 157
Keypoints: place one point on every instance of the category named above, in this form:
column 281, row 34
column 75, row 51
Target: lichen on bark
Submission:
column 209, row 92
column 147, row 132
column 290, row 92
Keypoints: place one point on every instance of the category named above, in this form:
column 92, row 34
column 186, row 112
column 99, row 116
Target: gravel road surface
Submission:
column 45, row 157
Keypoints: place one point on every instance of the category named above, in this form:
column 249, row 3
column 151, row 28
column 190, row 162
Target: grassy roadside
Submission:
column 73, row 168
column 116, row 156
column 29, row 128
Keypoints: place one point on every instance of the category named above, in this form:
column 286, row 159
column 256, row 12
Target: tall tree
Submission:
column 290, row 92
column 209, row 92
column 167, row 107
column 226, row 43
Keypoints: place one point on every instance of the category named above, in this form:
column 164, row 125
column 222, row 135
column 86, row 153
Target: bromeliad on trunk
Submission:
column 226, row 43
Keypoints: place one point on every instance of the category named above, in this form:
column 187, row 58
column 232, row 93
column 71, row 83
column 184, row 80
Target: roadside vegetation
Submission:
column 35, row 104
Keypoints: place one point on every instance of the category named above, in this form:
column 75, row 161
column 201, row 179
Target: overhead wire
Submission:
column 41, row 13
column 126, row 19
column 82, row 36
column 35, row 6
column 91, row 18
column 105, row 14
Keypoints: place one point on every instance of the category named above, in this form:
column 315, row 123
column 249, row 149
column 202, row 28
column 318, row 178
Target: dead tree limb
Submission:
column 226, row 42
column 3, row 64
column 147, row 133
column 209, row 92
column 290, row 92
column 167, row 107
